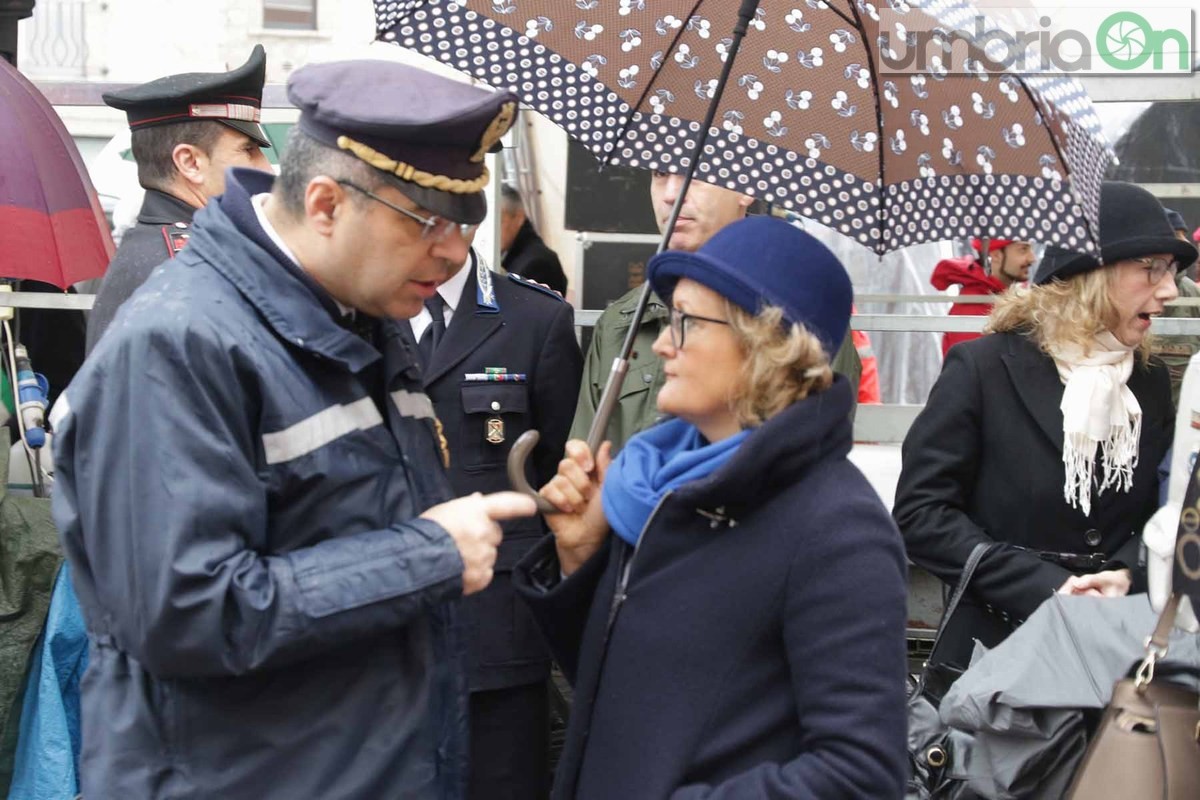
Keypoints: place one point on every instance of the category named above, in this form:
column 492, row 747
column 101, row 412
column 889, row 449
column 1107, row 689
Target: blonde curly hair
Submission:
column 1062, row 312
column 783, row 364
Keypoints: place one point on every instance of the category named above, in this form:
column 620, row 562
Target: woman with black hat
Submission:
column 727, row 596
column 1046, row 435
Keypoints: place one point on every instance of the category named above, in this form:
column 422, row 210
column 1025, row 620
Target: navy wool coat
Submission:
column 756, row 648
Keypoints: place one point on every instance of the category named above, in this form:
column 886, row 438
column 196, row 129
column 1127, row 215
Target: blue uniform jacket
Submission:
column 267, row 618
column 527, row 330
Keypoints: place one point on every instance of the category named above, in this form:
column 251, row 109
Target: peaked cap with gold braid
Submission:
column 428, row 133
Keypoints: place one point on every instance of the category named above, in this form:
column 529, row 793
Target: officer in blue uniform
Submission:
column 251, row 487
column 504, row 359
column 186, row 130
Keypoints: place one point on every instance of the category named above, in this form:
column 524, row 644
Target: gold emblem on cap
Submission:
column 407, row 172
column 495, row 131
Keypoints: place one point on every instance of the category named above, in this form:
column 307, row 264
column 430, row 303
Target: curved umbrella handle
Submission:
column 516, row 470
column 608, row 403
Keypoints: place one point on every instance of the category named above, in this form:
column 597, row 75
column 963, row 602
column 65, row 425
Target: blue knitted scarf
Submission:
column 654, row 462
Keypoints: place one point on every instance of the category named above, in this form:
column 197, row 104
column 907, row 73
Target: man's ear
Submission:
column 190, row 162
column 324, row 201
column 745, row 200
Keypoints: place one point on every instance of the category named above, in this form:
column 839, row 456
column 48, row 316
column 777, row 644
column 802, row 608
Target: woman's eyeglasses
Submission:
column 1156, row 268
column 434, row 227
column 680, row 322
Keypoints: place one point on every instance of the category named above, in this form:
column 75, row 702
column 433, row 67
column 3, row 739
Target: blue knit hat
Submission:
column 761, row 261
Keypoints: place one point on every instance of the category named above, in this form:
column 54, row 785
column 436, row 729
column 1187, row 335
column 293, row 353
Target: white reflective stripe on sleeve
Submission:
column 62, row 407
column 320, row 429
column 413, row 404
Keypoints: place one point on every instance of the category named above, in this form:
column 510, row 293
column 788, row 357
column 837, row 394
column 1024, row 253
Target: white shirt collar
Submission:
column 258, row 201
column 451, row 291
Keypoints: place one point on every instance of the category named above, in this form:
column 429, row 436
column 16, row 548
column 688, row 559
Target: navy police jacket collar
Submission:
column 229, row 238
column 160, row 208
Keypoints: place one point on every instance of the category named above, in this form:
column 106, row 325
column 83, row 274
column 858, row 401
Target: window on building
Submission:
column 297, row 15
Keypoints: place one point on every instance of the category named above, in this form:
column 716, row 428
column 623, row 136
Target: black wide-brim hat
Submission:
column 427, row 134
column 1132, row 224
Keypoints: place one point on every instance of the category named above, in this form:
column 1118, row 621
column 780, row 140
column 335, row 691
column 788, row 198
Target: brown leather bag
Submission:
column 1148, row 742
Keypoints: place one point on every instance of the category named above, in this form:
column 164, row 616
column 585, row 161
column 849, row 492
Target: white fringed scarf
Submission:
column 1098, row 409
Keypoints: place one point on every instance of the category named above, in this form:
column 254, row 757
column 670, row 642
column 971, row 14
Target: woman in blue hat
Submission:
column 727, row 596
column 1045, row 436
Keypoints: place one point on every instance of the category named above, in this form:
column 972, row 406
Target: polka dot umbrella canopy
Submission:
column 885, row 120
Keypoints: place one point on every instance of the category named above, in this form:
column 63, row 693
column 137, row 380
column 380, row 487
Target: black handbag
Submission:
column 931, row 744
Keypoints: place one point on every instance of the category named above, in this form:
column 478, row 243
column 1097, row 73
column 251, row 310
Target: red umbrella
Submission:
column 51, row 226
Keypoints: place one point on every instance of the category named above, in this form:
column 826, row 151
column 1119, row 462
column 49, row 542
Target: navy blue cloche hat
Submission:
column 761, row 261
column 428, row 134
column 1132, row 224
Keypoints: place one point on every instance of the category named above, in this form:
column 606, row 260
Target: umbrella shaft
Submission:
column 616, row 377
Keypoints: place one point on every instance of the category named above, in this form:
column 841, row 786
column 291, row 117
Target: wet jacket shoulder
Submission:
column 967, row 273
column 162, row 228
column 991, row 432
column 240, row 515
column 638, row 407
column 530, row 257
column 735, row 660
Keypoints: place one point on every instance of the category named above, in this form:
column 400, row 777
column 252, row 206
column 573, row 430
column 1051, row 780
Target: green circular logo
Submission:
column 1123, row 40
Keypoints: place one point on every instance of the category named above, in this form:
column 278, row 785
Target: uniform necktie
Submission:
column 433, row 334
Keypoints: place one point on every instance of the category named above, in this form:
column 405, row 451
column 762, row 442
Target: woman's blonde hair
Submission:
column 1063, row 312
column 783, row 364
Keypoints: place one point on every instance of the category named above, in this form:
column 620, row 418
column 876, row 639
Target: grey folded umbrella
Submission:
column 1023, row 701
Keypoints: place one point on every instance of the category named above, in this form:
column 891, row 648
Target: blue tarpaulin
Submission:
column 47, row 759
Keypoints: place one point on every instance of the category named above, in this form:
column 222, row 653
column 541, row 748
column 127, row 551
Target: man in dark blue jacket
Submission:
column 505, row 361
column 250, row 478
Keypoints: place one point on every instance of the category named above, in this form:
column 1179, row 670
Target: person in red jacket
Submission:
column 1008, row 263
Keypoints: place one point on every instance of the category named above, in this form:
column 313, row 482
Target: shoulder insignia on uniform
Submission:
column 175, row 236
column 512, row 276
column 485, row 292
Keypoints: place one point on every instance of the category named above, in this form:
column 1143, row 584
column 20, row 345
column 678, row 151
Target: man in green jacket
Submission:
column 706, row 209
column 1175, row 351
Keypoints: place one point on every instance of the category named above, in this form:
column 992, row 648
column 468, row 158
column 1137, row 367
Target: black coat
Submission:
column 162, row 229
column 756, row 649
column 983, row 462
column 529, row 257
column 54, row 339
column 529, row 330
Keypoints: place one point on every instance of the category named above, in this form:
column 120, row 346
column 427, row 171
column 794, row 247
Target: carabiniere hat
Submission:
column 1132, row 224
column 231, row 98
column 761, row 261
column 427, row 133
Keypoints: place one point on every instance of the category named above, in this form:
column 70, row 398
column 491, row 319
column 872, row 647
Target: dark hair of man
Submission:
column 153, row 148
column 305, row 158
column 510, row 199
